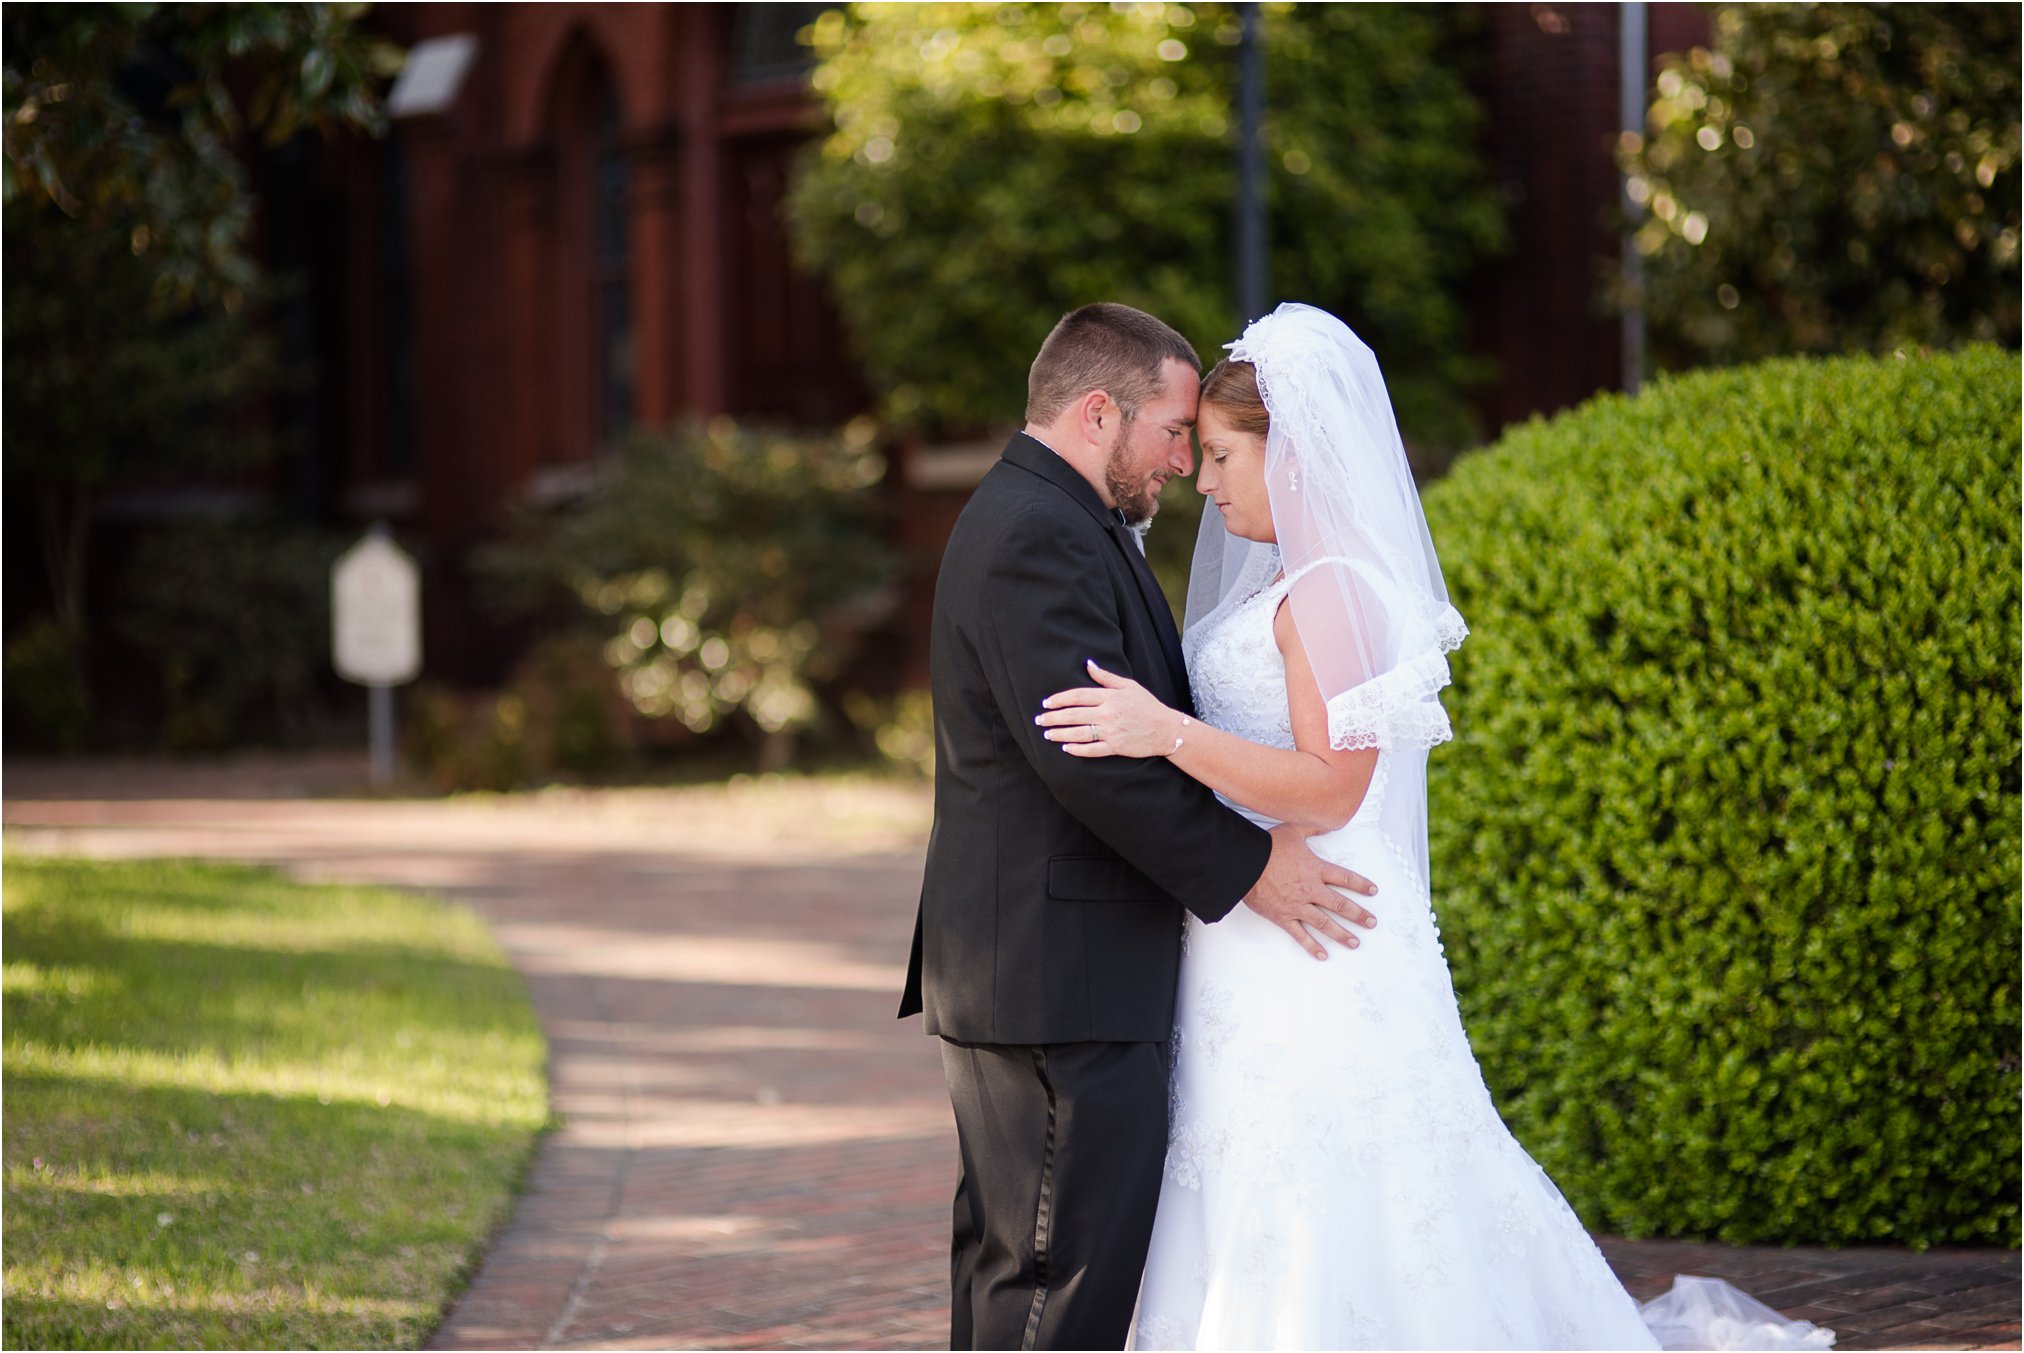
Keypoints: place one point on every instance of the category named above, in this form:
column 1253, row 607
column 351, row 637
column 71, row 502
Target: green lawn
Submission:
column 249, row 1113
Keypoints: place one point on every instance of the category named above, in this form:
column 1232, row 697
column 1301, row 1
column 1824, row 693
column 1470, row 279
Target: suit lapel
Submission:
column 1036, row 457
column 1156, row 602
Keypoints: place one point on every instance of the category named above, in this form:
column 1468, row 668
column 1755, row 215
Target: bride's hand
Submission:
column 1116, row 717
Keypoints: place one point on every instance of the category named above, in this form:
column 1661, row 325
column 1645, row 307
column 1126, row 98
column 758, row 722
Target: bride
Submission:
column 1350, row 1186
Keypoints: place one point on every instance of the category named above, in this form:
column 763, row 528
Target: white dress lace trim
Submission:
column 1400, row 708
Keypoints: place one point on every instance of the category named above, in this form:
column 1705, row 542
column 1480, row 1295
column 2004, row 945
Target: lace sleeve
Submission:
column 1401, row 708
column 1398, row 706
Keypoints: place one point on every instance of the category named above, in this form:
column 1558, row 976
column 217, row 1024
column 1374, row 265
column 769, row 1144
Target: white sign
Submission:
column 376, row 614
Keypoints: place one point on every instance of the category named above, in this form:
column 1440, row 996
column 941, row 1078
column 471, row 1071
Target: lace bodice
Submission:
column 1239, row 678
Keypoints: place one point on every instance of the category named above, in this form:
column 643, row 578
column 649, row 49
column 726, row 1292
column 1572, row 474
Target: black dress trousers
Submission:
column 1063, row 1145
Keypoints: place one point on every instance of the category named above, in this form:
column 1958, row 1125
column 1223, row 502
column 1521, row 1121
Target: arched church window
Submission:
column 592, row 306
column 611, row 303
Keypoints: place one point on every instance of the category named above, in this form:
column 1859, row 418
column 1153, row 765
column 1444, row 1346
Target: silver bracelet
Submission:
column 1178, row 739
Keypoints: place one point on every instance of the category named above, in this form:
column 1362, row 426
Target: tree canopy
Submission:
column 131, row 277
column 1833, row 177
column 133, row 291
column 132, row 119
column 990, row 167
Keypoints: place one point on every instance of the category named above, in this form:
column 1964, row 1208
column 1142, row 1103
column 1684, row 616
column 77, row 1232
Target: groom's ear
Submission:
column 1098, row 416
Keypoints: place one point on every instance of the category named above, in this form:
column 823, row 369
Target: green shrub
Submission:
column 459, row 741
column 48, row 702
column 560, row 717
column 237, row 615
column 730, row 571
column 1727, row 849
column 901, row 727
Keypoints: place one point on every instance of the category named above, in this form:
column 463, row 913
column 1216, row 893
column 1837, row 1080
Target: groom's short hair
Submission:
column 1104, row 346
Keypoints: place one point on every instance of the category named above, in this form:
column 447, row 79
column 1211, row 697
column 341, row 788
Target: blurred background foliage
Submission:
column 236, row 614
column 130, row 120
column 106, row 384
column 1013, row 161
column 729, row 571
column 136, row 341
column 1833, row 178
column 560, row 717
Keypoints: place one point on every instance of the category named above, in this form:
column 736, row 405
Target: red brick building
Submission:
column 585, row 235
column 576, row 227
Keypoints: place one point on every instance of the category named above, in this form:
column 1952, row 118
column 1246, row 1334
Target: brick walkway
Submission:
column 752, row 1152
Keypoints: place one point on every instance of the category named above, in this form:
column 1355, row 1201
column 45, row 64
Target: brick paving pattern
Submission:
column 752, row 1152
column 1871, row 1296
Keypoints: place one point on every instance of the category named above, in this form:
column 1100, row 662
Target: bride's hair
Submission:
column 1232, row 387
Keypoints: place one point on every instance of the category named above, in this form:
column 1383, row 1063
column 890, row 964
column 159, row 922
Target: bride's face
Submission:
column 1233, row 475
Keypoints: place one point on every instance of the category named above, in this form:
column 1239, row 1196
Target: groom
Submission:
column 1047, row 948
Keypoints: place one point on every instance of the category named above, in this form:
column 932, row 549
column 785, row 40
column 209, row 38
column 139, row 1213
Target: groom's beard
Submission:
column 1136, row 494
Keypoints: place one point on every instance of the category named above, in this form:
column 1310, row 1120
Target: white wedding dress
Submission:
column 1337, row 1176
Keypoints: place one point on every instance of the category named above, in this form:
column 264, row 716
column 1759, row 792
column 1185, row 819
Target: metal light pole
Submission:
column 1250, row 167
column 1633, row 72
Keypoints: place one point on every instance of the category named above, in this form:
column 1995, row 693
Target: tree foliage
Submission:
column 131, row 119
column 990, row 167
column 101, row 388
column 133, row 295
column 1833, row 177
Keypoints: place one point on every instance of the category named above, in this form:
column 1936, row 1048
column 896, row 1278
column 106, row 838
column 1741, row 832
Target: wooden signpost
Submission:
column 376, row 631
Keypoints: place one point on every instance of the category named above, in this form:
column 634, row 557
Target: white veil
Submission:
column 1366, row 591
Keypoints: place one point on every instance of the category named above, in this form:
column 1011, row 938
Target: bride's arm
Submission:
column 1312, row 784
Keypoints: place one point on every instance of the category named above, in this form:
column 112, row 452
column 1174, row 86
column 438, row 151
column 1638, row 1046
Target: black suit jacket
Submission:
column 1050, row 910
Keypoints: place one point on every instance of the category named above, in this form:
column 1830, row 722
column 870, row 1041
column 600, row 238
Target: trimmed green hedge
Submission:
column 1727, row 849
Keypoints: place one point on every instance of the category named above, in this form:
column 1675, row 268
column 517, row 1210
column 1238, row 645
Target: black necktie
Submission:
column 1156, row 601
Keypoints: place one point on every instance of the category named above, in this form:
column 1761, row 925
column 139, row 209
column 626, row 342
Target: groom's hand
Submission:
column 1297, row 893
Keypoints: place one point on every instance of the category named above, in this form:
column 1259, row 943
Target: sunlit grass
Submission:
column 242, row 1112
